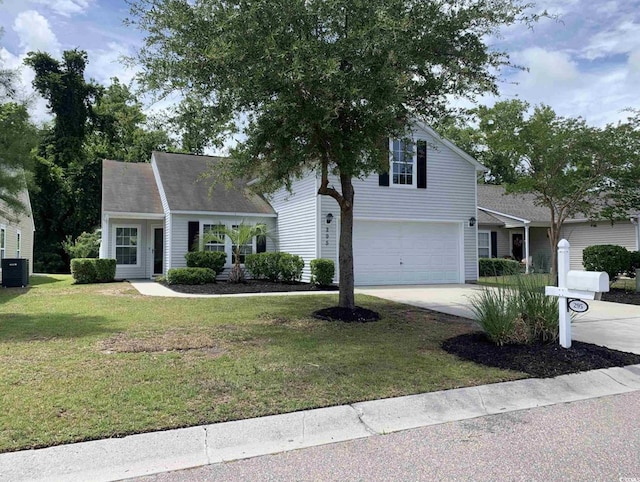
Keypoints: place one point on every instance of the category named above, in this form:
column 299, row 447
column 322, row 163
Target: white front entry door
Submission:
column 406, row 252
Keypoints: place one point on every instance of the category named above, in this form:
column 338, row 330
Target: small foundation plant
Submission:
column 517, row 314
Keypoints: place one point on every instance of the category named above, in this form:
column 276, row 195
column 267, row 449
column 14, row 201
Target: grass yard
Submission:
column 626, row 284
column 93, row 361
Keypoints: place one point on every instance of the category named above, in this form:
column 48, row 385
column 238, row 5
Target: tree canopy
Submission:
column 319, row 84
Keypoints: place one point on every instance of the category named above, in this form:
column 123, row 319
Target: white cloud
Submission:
column 546, row 67
column 620, row 40
column 66, row 8
column 35, row 33
column 634, row 62
column 107, row 63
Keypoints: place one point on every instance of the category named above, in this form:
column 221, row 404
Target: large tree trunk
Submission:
column 554, row 235
column 345, row 258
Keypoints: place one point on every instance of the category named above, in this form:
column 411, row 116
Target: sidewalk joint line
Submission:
column 617, row 381
column 206, row 445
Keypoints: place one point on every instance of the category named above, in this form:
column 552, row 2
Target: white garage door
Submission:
column 406, row 253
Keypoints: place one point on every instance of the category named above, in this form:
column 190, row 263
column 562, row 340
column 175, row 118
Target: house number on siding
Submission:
column 326, row 243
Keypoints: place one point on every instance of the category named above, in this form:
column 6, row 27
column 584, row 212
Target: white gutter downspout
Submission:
column 526, row 246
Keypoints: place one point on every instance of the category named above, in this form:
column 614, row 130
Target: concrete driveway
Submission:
column 614, row 325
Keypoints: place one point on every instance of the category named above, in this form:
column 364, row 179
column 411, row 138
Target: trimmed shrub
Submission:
column 214, row 260
column 275, row 266
column 610, row 258
column 93, row 270
column 290, row 267
column 322, row 271
column 497, row 266
column 190, row 276
column 634, row 263
column 83, row 270
column 105, row 270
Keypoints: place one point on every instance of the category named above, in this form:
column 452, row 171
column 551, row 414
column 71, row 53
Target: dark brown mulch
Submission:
column 251, row 286
column 618, row 295
column 542, row 361
column 337, row 313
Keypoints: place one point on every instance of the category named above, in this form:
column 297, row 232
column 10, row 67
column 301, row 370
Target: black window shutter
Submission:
column 494, row 244
column 422, row 164
column 383, row 179
column 261, row 244
column 194, row 231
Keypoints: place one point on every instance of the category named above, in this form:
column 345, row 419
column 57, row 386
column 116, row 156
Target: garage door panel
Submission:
column 406, row 253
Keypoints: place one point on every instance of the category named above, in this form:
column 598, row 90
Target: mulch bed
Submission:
column 539, row 360
column 336, row 313
column 618, row 295
column 251, row 286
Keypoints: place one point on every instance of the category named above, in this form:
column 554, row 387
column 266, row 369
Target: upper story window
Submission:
column 402, row 163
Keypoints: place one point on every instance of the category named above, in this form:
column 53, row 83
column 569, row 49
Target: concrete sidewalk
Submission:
column 152, row 288
column 144, row 454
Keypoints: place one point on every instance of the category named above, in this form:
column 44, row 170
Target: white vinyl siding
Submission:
column 23, row 225
column 18, row 243
column 180, row 233
column 451, row 197
column 298, row 220
column 582, row 235
column 329, row 232
column 167, row 217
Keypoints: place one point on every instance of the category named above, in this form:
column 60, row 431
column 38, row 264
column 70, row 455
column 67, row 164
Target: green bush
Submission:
column 214, row 260
column 190, row 276
column 290, row 267
column 275, row 267
column 519, row 314
column 93, row 270
column 87, row 245
column 322, row 271
column 105, row 269
column 634, row 263
column 498, row 266
column 610, row 258
column 83, row 270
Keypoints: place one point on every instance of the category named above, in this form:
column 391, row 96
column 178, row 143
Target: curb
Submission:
column 150, row 453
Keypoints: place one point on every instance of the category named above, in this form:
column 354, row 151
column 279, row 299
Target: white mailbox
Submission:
column 597, row 282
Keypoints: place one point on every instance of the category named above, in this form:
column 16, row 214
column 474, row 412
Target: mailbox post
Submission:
column 573, row 284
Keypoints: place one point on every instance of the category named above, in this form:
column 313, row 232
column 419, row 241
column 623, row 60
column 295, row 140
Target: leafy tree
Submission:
column 317, row 85
column 17, row 137
column 87, row 245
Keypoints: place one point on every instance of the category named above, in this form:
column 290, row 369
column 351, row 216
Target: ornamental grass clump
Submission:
column 518, row 314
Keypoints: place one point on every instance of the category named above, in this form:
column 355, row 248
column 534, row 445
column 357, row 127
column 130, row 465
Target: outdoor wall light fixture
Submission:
column 472, row 221
column 329, row 218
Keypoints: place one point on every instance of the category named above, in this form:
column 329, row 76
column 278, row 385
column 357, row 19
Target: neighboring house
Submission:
column 153, row 213
column 17, row 231
column 512, row 225
column 415, row 225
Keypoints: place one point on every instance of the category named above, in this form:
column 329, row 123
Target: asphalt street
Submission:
column 590, row 440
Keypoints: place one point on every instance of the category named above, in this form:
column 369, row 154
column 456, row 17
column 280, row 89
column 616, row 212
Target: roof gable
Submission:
column 521, row 207
column 129, row 187
column 186, row 189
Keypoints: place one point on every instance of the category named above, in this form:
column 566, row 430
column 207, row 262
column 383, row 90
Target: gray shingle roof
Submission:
column 129, row 187
column 187, row 190
column 518, row 205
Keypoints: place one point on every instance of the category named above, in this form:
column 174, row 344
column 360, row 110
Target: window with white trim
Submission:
column 245, row 249
column 403, row 165
column 213, row 237
column 484, row 244
column 18, row 243
column 127, row 245
column 3, row 242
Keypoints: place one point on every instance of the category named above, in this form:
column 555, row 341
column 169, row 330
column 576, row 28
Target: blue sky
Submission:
column 586, row 63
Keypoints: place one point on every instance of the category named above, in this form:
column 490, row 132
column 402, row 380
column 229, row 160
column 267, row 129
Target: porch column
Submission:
column 526, row 247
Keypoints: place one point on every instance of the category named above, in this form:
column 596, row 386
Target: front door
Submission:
column 158, row 250
column 517, row 244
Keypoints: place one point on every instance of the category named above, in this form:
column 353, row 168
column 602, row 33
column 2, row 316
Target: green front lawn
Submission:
column 545, row 280
column 91, row 361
